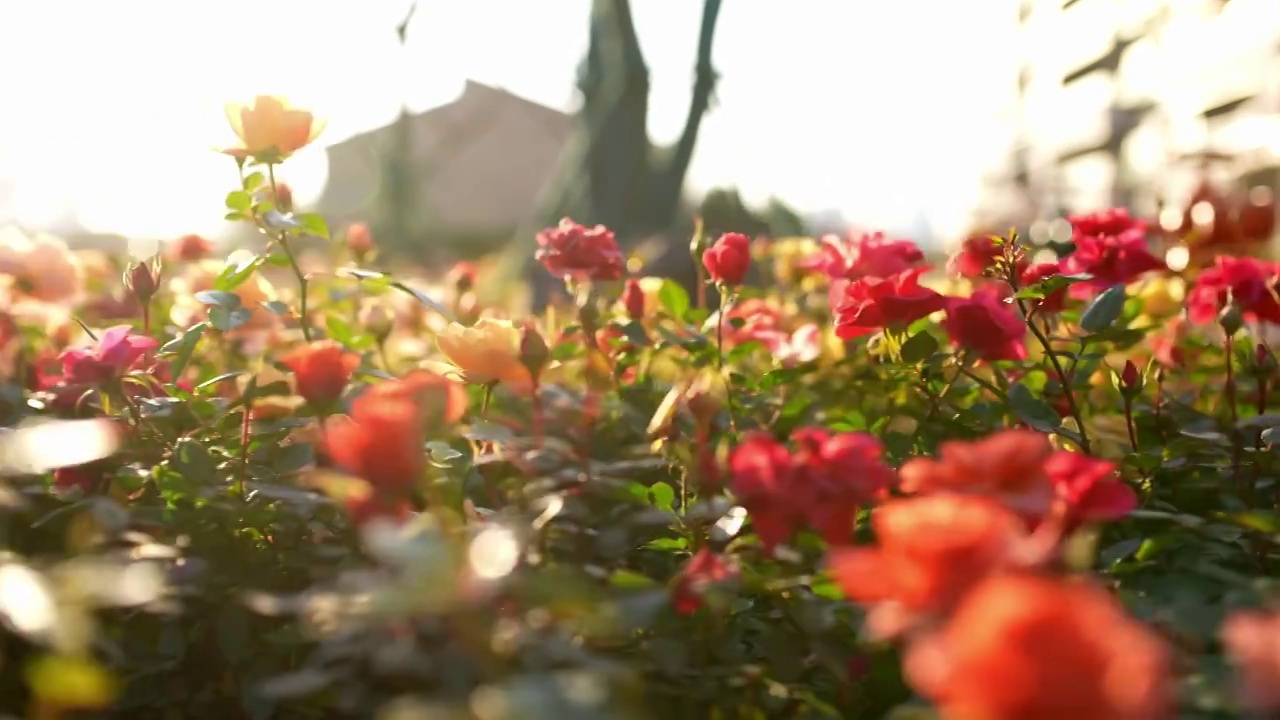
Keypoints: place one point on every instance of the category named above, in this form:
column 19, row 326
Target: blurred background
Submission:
column 479, row 121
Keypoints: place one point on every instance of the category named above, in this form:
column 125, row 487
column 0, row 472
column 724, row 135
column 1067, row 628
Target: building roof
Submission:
column 481, row 162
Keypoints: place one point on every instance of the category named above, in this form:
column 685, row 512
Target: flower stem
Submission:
column 1063, row 379
column 293, row 264
column 726, row 304
column 1128, row 421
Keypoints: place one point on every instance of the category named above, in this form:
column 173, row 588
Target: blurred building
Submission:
column 1112, row 95
column 477, row 166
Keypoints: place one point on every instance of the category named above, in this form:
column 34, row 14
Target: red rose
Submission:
column 703, row 570
column 870, row 304
column 1110, row 246
column 728, row 259
column 633, row 299
column 1249, row 283
column 987, row 326
column 1054, row 301
column 118, row 351
column 573, row 251
column 1090, row 488
column 322, row 370
column 865, row 256
column 821, row 485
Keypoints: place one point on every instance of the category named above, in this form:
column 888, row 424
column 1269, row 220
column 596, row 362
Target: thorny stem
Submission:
column 1228, row 345
column 293, row 264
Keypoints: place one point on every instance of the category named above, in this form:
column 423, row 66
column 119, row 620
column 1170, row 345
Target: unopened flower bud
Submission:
column 143, row 279
column 463, row 277
column 534, row 353
column 1231, row 320
column 1130, row 380
column 376, row 318
column 282, row 198
column 359, row 239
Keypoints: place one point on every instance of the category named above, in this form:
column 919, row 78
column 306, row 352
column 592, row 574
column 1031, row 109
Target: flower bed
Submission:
column 1030, row 488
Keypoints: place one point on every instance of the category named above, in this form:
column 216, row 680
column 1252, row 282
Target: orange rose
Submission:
column 1008, row 465
column 929, row 551
column 322, row 369
column 270, row 130
column 1022, row 647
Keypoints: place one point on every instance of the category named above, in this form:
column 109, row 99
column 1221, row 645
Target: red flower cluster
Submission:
column 579, row 253
column 953, row 575
column 865, row 256
column 870, row 304
column 1110, row 246
column 381, row 442
column 1020, row 469
column 1248, row 283
column 727, row 260
column 821, row 484
column 988, row 326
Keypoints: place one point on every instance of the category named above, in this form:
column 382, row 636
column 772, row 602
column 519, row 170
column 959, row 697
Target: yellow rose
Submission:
column 486, row 352
column 270, row 130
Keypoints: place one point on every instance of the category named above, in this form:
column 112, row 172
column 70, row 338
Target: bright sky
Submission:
column 882, row 109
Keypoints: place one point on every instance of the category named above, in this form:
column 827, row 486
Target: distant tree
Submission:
column 782, row 220
column 723, row 211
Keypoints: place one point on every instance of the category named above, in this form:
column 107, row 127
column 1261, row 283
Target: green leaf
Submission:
column 919, row 347
column 232, row 276
column 363, row 274
column 221, row 298
column 425, row 300
column 339, row 329
column 276, row 307
column 1104, row 310
column 674, row 299
column 227, row 320
column 239, row 201
column 193, row 461
column 253, row 181
column 1032, row 410
column 442, row 453
column 215, row 380
column 313, row 223
column 183, row 347
column 663, row 495
column 630, row 580
column 1050, row 285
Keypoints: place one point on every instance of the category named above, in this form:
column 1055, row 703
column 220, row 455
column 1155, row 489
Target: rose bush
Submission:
column 1005, row 489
